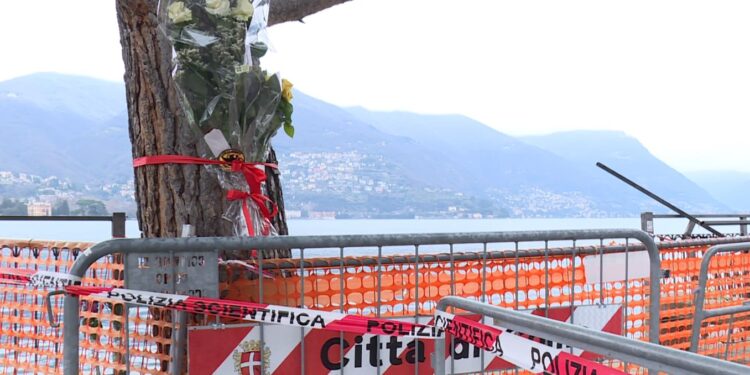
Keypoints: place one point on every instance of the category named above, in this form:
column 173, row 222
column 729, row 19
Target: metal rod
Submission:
column 416, row 306
column 379, row 304
column 180, row 342
column 302, row 305
column 261, row 326
column 674, row 216
column 546, row 279
column 573, row 286
column 729, row 337
column 658, row 199
column 484, row 295
column 341, row 309
column 60, row 218
column 726, row 222
column 601, row 273
column 452, row 346
column 646, row 354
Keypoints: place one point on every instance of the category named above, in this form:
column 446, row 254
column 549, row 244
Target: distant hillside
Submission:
column 558, row 169
column 357, row 163
column 487, row 158
column 729, row 187
column 69, row 126
column 627, row 156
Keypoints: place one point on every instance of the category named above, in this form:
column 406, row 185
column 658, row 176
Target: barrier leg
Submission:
column 438, row 357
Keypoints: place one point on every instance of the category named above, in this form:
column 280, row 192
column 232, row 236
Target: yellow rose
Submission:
column 286, row 90
column 179, row 13
column 244, row 10
column 218, row 7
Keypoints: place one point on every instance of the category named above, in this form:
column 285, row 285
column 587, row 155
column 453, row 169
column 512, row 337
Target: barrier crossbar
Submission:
column 646, row 354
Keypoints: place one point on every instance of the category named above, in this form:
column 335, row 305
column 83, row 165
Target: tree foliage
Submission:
column 12, row 207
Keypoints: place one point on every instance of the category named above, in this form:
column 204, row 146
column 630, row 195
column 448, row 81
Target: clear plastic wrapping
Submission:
column 234, row 106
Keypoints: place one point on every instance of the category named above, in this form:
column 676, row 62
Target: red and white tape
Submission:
column 529, row 355
column 522, row 352
column 265, row 313
column 39, row 279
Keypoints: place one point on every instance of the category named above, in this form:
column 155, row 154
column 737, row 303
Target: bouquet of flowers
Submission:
column 234, row 106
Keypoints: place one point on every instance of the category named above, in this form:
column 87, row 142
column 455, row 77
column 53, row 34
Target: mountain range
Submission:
column 361, row 163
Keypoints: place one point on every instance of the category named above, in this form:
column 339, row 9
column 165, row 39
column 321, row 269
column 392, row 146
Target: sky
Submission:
column 673, row 74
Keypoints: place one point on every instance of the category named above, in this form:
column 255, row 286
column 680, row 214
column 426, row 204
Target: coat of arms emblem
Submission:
column 249, row 356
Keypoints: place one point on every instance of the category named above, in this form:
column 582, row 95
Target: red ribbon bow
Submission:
column 253, row 176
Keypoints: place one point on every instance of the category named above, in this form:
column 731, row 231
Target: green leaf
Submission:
column 289, row 129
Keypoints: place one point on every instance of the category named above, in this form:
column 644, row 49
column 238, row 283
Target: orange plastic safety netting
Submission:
column 394, row 289
column 724, row 337
column 28, row 344
column 398, row 287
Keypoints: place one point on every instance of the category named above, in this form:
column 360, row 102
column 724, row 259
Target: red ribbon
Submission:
column 253, row 176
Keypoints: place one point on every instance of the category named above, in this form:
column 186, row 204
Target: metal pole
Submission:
column 180, row 318
column 647, row 222
column 743, row 227
column 645, row 354
column 70, row 334
column 658, row 198
column 118, row 224
column 179, row 343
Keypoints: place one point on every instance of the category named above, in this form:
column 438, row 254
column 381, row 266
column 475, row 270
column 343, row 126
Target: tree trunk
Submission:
column 169, row 196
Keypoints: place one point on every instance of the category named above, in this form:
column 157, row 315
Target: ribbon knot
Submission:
column 254, row 177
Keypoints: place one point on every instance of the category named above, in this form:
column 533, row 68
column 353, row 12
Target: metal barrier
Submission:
column 408, row 286
column 740, row 287
column 649, row 355
column 373, row 285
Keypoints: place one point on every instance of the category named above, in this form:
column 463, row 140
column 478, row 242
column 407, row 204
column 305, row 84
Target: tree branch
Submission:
column 295, row 10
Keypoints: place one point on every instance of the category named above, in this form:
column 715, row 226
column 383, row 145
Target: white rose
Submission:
column 179, row 13
column 243, row 11
column 218, row 7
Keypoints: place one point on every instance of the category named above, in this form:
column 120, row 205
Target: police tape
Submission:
column 39, row 279
column 517, row 350
column 529, row 355
column 265, row 313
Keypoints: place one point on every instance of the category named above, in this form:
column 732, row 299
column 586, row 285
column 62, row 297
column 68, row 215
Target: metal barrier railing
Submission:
column 701, row 313
column 117, row 219
column 420, row 292
column 649, row 355
column 647, row 221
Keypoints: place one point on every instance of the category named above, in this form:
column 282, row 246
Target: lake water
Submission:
column 100, row 231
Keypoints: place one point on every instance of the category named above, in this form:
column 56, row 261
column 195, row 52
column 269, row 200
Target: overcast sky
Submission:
column 674, row 74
